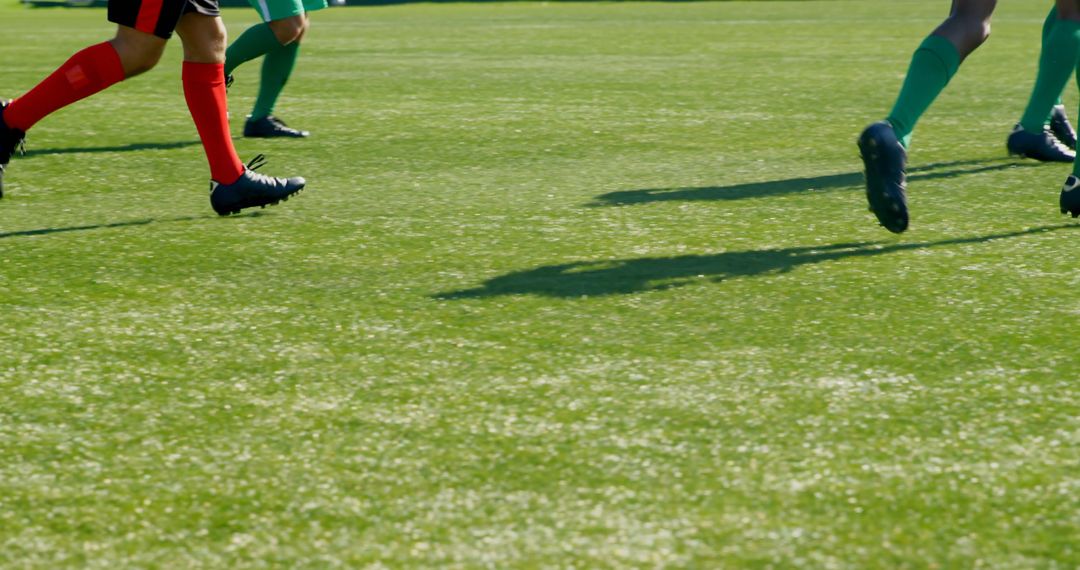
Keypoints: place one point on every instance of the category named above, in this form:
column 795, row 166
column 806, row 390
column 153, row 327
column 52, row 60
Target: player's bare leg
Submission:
column 883, row 145
column 138, row 51
column 289, row 30
column 968, row 25
column 85, row 73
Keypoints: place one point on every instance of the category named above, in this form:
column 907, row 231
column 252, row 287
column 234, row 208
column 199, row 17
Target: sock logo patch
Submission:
column 76, row 77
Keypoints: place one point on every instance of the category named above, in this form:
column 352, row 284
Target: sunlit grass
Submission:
column 573, row 285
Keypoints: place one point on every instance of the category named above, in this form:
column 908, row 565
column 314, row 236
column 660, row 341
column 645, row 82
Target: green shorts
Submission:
column 280, row 9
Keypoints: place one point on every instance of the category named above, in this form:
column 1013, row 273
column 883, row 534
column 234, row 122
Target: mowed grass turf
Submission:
column 572, row 285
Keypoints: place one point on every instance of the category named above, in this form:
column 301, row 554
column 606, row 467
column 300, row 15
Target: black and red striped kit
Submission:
column 158, row 17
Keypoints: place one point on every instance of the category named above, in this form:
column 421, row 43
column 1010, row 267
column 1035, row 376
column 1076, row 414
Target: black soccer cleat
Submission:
column 10, row 141
column 229, row 81
column 271, row 126
column 1060, row 126
column 252, row 189
column 885, row 159
column 1043, row 146
column 1070, row 196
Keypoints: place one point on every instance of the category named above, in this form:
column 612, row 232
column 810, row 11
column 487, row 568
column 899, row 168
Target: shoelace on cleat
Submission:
column 279, row 123
column 257, row 162
column 1057, row 144
column 1061, row 128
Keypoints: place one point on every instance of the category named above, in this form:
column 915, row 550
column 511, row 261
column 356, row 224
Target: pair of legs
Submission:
column 883, row 145
column 967, row 28
column 277, row 40
column 143, row 30
column 1038, row 136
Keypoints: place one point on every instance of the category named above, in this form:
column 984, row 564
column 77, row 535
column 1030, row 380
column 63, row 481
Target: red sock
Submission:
column 84, row 74
column 204, row 90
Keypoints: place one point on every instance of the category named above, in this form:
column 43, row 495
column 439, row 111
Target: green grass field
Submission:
column 572, row 286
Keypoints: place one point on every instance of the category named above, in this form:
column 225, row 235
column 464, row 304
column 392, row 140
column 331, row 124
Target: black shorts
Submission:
column 158, row 17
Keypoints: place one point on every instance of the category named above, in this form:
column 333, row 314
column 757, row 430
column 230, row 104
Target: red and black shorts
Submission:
column 158, row 17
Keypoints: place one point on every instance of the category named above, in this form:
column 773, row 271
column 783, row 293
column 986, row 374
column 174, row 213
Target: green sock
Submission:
column 933, row 65
column 276, row 69
column 1048, row 26
column 1056, row 63
column 1048, row 23
column 1076, row 163
column 255, row 41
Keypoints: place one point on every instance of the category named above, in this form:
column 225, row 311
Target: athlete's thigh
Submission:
column 203, row 36
column 974, row 9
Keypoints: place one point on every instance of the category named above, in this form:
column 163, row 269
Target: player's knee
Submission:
column 203, row 38
column 983, row 32
column 137, row 57
column 289, row 30
column 141, row 65
column 216, row 35
column 970, row 33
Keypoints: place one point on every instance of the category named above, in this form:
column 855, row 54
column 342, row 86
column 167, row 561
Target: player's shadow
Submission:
column 118, row 148
column 795, row 185
column 624, row 276
column 112, row 225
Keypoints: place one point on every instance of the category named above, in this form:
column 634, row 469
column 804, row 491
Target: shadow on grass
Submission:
column 795, row 185
column 624, row 276
column 119, row 148
column 127, row 224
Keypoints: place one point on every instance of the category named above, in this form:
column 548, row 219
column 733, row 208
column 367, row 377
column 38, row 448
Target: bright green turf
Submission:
column 583, row 285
